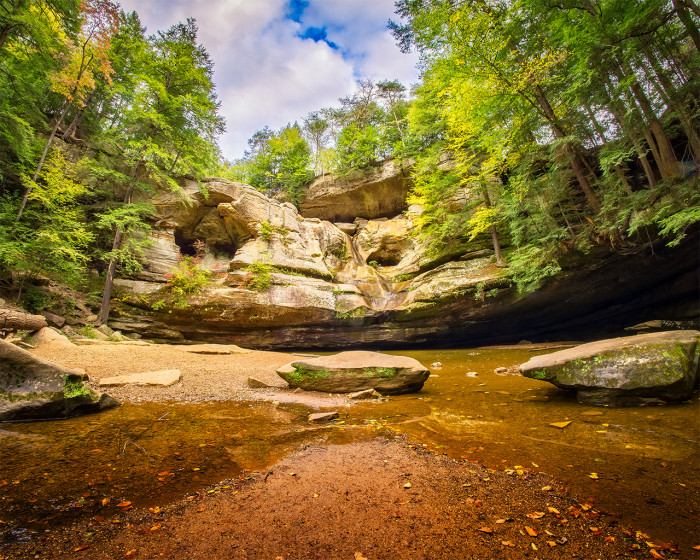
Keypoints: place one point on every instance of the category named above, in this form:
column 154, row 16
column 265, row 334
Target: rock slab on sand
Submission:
column 164, row 378
column 348, row 372
column 624, row 371
column 34, row 389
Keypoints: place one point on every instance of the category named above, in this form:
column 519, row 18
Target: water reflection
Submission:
column 151, row 454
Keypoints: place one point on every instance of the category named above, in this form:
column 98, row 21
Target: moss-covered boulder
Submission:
column 33, row 389
column 348, row 372
column 624, row 371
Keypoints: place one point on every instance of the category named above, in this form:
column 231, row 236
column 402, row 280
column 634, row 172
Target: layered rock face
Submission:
column 283, row 279
column 376, row 193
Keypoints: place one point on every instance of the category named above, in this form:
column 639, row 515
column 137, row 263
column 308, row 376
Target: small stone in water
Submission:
column 436, row 365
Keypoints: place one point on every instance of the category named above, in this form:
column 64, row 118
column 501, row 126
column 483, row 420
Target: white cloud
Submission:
column 265, row 73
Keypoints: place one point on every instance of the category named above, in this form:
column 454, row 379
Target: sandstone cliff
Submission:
column 283, row 279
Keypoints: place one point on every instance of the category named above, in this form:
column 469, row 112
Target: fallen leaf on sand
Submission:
column 154, row 510
column 359, row 556
column 531, row 531
column 593, row 475
column 486, row 530
column 546, row 488
column 124, row 504
column 105, row 501
column 407, row 485
column 552, row 543
column 508, row 543
column 553, row 510
column 610, row 539
column 560, row 425
column 535, row 515
column 131, row 553
column 84, row 547
column 655, row 554
column 156, row 527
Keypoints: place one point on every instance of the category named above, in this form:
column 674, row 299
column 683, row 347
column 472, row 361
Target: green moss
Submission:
column 75, row 388
column 385, row 372
column 302, row 373
column 539, row 374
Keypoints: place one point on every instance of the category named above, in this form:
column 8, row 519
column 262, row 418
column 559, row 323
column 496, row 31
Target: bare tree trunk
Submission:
column 687, row 20
column 575, row 164
column 116, row 245
column 11, row 320
column 667, row 156
column 42, row 159
column 668, row 93
column 601, row 135
column 494, row 233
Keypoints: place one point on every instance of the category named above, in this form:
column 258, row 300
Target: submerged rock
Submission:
column 33, row 389
column 624, row 371
column 349, row 372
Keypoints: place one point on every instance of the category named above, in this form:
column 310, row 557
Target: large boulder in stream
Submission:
column 34, row 389
column 348, row 372
column 624, row 371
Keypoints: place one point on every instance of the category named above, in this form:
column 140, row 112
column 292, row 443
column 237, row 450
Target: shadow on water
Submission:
column 645, row 459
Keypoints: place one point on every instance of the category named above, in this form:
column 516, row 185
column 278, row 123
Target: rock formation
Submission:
column 33, row 389
column 625, row 370
column 348, row 372
column 282, row 279
column 378, row 192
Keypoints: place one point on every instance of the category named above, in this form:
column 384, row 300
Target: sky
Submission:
column 277, row 60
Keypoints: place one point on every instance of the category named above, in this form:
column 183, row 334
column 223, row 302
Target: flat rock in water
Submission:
column 348, row 372
column 34, row 389
column 216, row 349
column 366, row 394
column 624, row 371
column 321, row 417
column 257, row 383
column 163, row 378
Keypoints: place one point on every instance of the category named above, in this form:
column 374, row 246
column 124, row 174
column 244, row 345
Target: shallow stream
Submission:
column 640, row 463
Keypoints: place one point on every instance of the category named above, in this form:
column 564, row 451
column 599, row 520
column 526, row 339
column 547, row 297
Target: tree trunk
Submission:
column 42, row 159
column 575, row 164
column 494, row 233
column 116, row 245
column 687, row 21
column 11, row 320
column 668, row 161
column 668, row 94
column 601, row 135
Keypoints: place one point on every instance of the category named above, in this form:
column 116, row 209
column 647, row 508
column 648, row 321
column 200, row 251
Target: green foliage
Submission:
column 51, row 238
column 75, row 388
column 275, row 162
column 187, row 279
column 259, row 276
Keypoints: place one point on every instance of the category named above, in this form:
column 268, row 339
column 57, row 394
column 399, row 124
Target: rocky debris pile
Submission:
column 350, row 372
column 33, row 389
column 624, row 371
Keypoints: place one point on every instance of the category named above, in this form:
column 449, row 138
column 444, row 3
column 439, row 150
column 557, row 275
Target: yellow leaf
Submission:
column 531, row 531
column 593, row 475
column 486, row 530
column 553, row 510
column 407, row 485
column 560, row 425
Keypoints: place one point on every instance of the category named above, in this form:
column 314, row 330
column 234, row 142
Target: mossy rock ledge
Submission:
column 624, row 371
column 34, row 389
column 348, row 372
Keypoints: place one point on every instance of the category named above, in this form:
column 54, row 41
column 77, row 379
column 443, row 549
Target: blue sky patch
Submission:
column 318, row 34
column 296, row 9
